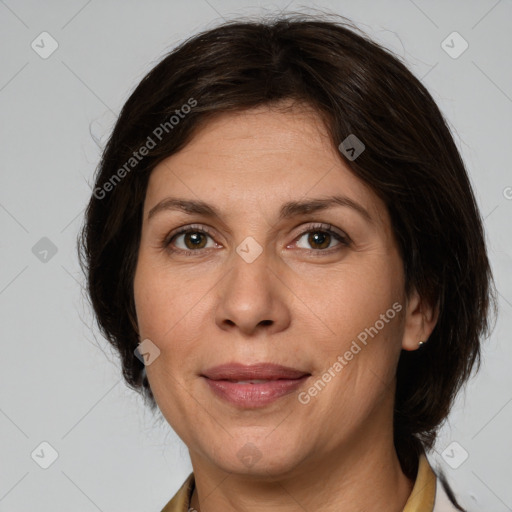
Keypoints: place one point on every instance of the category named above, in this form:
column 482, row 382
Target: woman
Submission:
column 282, row 230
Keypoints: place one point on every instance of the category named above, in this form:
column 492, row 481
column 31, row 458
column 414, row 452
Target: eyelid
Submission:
column 320, row 226
column 186, row 229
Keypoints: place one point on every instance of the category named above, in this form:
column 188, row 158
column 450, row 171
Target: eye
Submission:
column 192, row 239
column 320, row 237
column 189, row 240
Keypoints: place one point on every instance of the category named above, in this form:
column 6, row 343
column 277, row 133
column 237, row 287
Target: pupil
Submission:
column 319, row 239
column 194, row 238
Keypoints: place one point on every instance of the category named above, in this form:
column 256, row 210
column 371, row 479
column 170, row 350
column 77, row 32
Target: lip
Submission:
column 239, row 371
column 281, row 381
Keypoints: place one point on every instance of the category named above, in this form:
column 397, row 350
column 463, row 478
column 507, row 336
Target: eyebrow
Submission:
column 287, row 210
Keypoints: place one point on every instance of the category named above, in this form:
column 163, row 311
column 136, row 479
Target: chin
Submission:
column 265, row 460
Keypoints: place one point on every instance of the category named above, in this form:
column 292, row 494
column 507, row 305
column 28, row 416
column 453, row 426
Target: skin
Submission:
column 293, row 305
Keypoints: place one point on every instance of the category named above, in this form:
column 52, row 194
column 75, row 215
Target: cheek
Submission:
column 163, row 299
column 345, row 301
column 171, row 319
column 172, row 311
column 358, row 356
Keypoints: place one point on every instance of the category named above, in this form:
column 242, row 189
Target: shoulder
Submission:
column 431, row 491
column 445, row 500
column 180, row 501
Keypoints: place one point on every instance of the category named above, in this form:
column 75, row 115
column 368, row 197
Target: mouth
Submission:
column 252, row 386
column 255, row 372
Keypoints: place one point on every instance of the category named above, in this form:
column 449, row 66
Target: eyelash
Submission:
column 324, row 228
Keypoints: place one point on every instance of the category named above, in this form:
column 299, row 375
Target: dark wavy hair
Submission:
column 411, row 162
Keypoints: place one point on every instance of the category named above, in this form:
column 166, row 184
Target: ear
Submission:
column 420, row 320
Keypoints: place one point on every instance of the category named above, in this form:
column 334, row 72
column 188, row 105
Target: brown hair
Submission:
column 410, row 161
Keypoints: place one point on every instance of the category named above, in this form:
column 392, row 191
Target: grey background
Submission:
column 60, row 382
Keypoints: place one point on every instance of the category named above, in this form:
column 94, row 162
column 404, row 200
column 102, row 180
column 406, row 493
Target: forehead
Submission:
column 261, row 131
column 259, row 157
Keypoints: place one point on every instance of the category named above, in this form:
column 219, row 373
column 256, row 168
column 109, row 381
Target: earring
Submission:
column 421, row 343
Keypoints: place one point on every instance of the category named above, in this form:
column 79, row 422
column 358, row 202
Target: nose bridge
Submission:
column 250, row 294
column 250, row 266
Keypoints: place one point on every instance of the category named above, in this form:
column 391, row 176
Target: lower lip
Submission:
column 254, row 395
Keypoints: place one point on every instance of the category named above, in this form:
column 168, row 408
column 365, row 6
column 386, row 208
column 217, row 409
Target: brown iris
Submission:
column 319, row 237
column 195, row 240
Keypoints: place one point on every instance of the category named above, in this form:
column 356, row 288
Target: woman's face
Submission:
column 301, row 287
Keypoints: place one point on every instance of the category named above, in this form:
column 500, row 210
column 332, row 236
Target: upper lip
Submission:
column 258, row 371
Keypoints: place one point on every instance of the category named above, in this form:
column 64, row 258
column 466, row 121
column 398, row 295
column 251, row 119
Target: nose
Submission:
column 252, row 298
